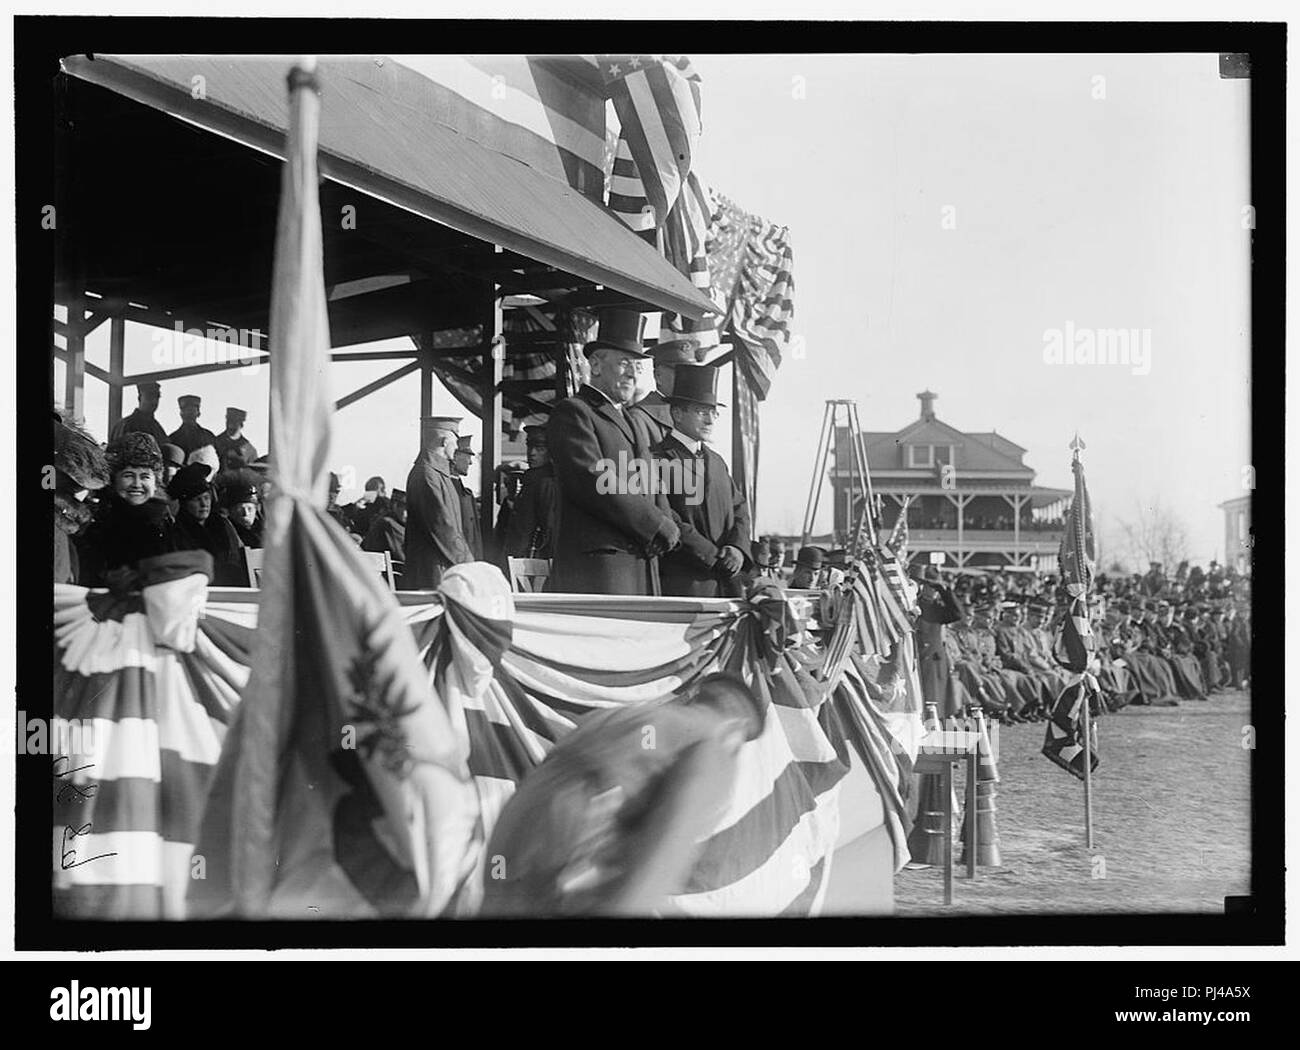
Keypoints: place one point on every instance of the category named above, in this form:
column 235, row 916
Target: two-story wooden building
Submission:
column 972, row 496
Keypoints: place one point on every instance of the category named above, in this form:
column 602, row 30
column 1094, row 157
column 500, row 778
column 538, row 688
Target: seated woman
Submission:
column 130, row 523
column 198, row 528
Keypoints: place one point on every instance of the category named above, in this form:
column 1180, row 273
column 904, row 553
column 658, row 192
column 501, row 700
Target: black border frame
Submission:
column 38, row 44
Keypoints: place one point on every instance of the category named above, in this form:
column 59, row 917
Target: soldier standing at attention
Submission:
column 142, row 420
column 461, row 464
column 435, row 535
column 233, row 449
column 189, row 435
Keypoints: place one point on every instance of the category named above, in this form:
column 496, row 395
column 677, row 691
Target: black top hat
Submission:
column 618, row 329
column 695, row 383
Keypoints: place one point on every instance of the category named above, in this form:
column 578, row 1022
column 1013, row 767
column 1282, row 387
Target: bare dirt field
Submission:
column 1171, row 818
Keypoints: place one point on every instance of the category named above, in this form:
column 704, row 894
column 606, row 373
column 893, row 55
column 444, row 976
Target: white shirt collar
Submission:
column 694, row 445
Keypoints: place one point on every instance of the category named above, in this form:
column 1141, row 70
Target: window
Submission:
column 920, row 455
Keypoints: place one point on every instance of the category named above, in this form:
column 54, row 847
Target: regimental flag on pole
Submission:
column 1075, row 645
column 343, row 789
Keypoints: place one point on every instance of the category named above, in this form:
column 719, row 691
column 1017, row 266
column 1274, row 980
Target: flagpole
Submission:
column 1084, row 691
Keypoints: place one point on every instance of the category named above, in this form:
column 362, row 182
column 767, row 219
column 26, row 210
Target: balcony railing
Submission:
column 1039, row 541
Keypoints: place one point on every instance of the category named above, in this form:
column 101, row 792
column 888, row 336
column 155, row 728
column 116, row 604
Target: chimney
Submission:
column 927, row 399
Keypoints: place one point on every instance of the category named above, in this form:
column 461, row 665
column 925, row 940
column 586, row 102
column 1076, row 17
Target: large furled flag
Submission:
column 1075, row 644
column 343, row 788
column 657, row 99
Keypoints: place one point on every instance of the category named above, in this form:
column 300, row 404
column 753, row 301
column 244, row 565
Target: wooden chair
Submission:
column 253, row 565
column 383, row 563
column 381, row 560
column 528, row 575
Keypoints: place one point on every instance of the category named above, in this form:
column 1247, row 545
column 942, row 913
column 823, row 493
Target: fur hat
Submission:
column 134, row 450
column 78, row 456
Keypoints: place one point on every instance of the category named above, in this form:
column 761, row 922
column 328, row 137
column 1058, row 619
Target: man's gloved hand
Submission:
column 668, row 537
column 730, row 560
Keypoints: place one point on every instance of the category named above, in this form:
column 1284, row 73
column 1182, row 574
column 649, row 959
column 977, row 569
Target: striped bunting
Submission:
column 137, row 731
column 567, row 657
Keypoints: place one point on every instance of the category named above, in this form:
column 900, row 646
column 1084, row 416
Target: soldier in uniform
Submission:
column 980, row 682
column 611, row 532
column 1177, row 649
column 462, row 463
column 667, row 355
column 435, row 535
column 938, row 606
column 1012, row 648
column 234, row 451
column 1155, row 679
column 142, row 420
column 712, row 513
column 532, row 522
column 189, row 435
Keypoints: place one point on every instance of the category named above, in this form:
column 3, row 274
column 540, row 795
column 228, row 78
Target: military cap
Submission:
column 189, row 399
column 678, row 351
column 450, row 424
column 239, row 493
column 150, row 384
column 236, row 413
column 535, row 435
column 463, row 443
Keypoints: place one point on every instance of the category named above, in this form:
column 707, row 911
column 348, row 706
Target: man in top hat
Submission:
column 189, row 435
column 233, row 449
column 461, row 464
column 611, row 531
column 532, row 521
column 142, row 420
column 435, row 532
column 712, row 513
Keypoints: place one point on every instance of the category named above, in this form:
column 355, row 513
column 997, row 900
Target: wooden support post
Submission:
column 74, row 377
column 116, row 369
column 426, row 376
column 494, row 361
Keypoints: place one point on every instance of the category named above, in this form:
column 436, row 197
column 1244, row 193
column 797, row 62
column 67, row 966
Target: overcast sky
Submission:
column 947, row 211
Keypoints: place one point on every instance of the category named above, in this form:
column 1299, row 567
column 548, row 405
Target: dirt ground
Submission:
column 1171, row 818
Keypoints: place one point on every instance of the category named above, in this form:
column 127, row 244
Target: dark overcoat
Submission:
column 715, row 516
column 435, row 535
column 607, row 540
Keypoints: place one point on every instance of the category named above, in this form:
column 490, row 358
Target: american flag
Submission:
column 657, row 99
column 751, row 278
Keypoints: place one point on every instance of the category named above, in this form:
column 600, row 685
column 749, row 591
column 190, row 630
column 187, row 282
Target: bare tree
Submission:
column 1154, row 534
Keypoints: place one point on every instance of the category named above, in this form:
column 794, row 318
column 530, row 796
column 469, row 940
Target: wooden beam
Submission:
column 426, row 377
column 378, row 384
column 116, row 364
column 494, row 362
column 193, row 370
column 377, row 355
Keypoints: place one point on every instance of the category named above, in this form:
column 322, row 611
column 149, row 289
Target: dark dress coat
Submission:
column 469, row 518
column 217, row 536
column 435, row 534
column 607, row 542
column 189, row 436
column 121, row 535
column 939, row 606
column 534, row 516
column 717, row 517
